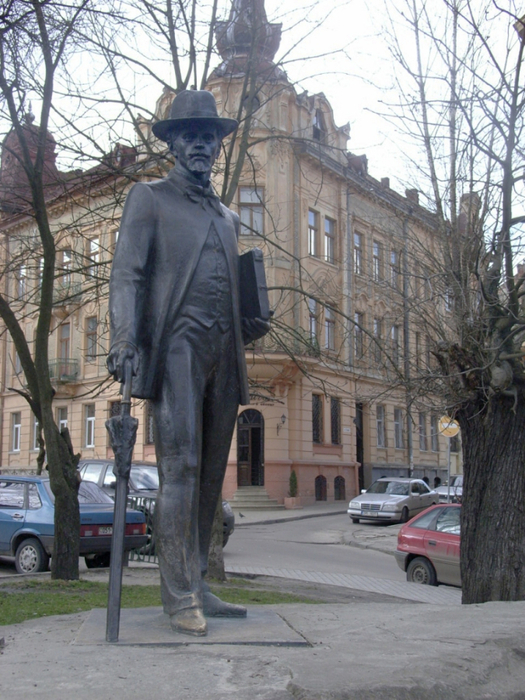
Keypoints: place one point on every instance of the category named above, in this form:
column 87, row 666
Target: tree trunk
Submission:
column 492, row 522
column 64, row 480
column 216, row 557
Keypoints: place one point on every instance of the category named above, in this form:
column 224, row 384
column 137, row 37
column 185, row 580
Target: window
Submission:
column 21, row 281
column 449, row 299
column 418, row 351
column 91, row 338
column 335, row 420
column 399, row 441
column 317, row 418
column 93, row 255
column 377, row 261
column 329, row 329
column 454, row 444
column 313, row 229
column 114, row 409
column 329, row 240
column 36, row 430
column 62, row 418
column 378, row 335
column 319, row 129
column 16, row 431
column 394, row 269
column 427, row 284
column 66, row 266
column 359, row 324
column 394, row 339
column 312, row 310
column 89, row 429
column 149, row 423
column 251, row 211
column 380, row 426
column 64, row 335
column 18, row 364
column 423, row 446
column 434, row 433
column 358, row 254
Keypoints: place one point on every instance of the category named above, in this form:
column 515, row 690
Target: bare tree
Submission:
column 461, row 94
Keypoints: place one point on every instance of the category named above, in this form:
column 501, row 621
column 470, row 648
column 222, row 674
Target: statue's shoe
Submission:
column 215, row 607
column 189, row 621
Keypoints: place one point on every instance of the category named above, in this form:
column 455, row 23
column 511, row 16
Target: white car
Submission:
column 392, row 499
column 456, row 490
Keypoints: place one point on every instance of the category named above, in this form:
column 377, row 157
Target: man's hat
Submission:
column 194, row 107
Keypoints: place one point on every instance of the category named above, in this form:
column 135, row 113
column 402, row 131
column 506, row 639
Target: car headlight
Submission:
column 390, row 507
column 355, row 505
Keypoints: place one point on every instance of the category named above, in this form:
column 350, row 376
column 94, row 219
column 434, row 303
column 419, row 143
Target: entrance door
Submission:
column 359, row 442
column 250, row 448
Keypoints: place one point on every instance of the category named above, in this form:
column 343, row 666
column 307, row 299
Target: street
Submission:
column 313, row 544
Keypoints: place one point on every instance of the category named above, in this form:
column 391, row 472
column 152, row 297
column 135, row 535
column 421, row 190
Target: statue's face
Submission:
column 196, row 148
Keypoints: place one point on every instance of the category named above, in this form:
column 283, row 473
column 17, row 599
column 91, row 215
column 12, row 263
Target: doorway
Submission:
column 359, row 443
column 250, row 448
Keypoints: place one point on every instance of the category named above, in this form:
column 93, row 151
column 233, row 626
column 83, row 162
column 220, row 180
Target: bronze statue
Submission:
column 175, row 315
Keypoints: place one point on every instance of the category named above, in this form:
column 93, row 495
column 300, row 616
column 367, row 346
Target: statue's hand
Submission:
column 118, row 355
column 253, row 329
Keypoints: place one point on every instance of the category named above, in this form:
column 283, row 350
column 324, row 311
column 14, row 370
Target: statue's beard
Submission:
column 199, row 165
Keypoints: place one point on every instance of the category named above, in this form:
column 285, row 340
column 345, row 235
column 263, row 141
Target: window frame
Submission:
column 252, row 208
column 423, row 436
column 89, row 425
column 377, row 261
column 380, row 426
column 358, row 253
column 329, row 329
column 317, row 419
column 359, row 335
column 313, row 233
column 62, row 422
column 399, row 437
column 91, row 339
column 16, row 431
column 329, row 240
column 335, row 420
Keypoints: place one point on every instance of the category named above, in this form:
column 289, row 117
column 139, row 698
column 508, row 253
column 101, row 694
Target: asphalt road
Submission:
column 314, row 544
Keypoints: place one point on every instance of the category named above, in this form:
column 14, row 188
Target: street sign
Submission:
column 448, row 427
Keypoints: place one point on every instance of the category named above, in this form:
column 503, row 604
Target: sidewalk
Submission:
column 433, row 649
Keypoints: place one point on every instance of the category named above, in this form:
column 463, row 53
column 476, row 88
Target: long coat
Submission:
column 160, row 241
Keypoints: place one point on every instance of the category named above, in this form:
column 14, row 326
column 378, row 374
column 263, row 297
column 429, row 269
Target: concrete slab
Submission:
column 150, row 627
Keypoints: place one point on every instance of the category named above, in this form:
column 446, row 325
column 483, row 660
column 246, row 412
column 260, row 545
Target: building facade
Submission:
column 344, row 256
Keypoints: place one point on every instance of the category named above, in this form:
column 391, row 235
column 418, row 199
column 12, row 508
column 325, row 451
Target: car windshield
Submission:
column 396, row 488
column 87, row 493
column 145, row 478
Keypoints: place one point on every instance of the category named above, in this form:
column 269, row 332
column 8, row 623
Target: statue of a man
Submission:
column 175, row 315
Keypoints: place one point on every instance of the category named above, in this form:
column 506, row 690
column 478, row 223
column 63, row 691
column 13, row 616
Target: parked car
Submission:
column 27, row 526
column 428, row 546
column 143, row 485
column 392, row 499
column 456, row 490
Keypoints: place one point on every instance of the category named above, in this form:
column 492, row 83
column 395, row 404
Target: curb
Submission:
column 273, row 521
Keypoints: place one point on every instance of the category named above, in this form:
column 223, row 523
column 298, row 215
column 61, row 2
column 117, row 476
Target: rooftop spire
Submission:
column 247, row 33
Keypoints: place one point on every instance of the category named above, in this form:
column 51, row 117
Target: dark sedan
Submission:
column 27, row 529
column 143, row 485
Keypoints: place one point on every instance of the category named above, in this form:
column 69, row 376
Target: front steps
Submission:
column 254, row 498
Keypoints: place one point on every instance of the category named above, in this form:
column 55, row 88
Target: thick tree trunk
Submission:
column 64, row 480
column 492, row 518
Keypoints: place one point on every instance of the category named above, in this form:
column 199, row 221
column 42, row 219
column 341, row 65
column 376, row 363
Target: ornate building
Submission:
column 327, row 400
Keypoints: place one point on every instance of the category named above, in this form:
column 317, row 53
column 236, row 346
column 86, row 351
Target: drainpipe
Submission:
column 406, row 348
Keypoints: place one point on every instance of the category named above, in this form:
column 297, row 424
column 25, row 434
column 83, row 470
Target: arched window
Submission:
column 320, row 488
column 339, row 489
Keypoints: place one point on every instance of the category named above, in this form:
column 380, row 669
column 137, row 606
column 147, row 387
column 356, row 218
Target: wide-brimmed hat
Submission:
column 194, row 107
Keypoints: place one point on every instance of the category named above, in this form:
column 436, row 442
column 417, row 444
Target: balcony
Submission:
column 66, row 293
column 63, row 371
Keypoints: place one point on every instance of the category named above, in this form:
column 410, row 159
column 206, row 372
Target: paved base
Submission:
column 376, row 651
column 151, row 627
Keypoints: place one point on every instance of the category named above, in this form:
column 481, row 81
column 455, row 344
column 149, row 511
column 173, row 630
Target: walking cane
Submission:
column 122, row 434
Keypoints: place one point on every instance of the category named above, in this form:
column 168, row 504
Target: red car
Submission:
column 428, row 546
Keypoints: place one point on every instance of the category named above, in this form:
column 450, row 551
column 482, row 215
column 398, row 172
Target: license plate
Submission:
column 105, row 530
column 369, row 512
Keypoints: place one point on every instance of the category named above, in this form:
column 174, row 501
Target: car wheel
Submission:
column 404, row 515
column 355, row 520
column 99, row 561
column 149, row 547
column 420, row 570
column 30, row 557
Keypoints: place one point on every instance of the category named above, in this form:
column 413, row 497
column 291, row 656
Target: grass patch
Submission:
column 32, row 598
